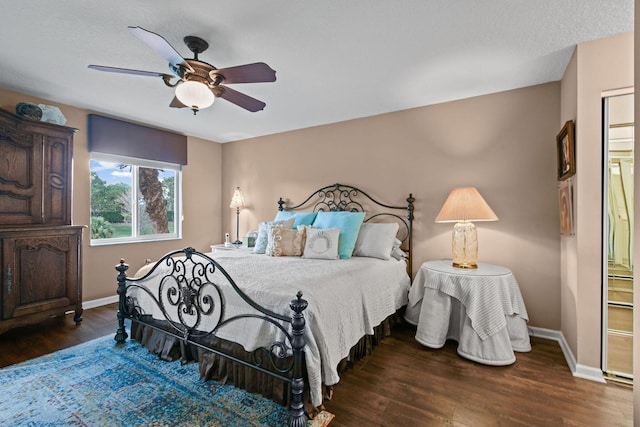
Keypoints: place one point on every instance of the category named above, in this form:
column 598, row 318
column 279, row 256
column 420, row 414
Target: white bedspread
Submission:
column 347, row 299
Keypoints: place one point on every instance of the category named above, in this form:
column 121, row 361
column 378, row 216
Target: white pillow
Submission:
column 285, row 241
column 321, row 243
column 376, row 240
column 398, row 253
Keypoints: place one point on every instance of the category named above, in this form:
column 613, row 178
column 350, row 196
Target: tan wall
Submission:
column 201, row 180
column 602, row 65
column 568, row 244
column 504, row 144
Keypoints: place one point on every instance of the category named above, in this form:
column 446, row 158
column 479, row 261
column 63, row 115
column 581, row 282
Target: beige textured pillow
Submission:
column 285, row 241
column 263, row 234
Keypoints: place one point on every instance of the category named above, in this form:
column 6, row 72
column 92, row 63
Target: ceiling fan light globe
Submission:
column 195, row 95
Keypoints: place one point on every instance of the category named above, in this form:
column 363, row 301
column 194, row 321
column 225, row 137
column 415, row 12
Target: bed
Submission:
column 275, row 322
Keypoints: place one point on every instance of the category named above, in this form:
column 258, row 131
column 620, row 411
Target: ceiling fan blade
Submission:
column 258, row 72
column 240, row 99
column 175, row 103
column 128, row 71
column 160, row 46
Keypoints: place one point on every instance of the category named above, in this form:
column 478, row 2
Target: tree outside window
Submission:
column 133, row 200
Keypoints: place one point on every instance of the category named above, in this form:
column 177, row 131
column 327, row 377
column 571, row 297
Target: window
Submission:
column 134, row 200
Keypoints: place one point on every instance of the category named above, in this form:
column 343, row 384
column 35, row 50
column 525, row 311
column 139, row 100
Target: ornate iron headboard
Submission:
column 340, row 197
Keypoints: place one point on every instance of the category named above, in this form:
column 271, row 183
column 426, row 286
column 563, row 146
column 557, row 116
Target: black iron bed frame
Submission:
column 190, row 289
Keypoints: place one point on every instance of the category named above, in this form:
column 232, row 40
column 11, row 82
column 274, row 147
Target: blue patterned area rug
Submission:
column 99, row 383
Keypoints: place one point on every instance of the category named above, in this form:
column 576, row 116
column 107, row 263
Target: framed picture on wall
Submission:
column 565, row 197
column 566, row 151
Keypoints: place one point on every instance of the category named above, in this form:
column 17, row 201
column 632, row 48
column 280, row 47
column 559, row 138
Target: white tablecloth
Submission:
column 482, row 309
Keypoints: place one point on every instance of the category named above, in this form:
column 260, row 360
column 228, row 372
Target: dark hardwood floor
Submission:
column 403, row 383
column 28, row 342
column 406, row 384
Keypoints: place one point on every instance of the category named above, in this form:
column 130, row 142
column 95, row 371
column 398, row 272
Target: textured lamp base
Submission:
column 464, row 245
column 467, row 265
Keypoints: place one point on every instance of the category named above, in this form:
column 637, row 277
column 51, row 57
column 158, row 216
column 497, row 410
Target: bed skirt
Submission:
column 225, row 371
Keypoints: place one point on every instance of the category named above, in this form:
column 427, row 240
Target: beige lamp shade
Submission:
column 237, row 200
column 237, row 203
column 463, row 206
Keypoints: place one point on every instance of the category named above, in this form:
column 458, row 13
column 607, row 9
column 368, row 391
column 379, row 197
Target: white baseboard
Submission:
column 99, row 302
column 577, row 370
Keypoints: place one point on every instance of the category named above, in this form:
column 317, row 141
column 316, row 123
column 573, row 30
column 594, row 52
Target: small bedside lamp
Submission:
column 463, row 206
column 237, row 203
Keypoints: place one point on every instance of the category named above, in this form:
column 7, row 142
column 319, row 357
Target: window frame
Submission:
column 135, row 163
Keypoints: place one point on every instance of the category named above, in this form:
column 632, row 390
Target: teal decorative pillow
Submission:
column 300, row 218
column 349, row 224
column 263, row 234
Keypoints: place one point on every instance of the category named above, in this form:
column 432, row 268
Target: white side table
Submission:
column 482, row 309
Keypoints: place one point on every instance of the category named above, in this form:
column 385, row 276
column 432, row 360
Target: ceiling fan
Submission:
column 199, row 83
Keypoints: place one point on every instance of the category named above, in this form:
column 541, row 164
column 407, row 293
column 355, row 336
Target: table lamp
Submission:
column 463, row 206
column 237, row 203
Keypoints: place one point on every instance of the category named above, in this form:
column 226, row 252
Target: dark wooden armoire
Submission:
column 40, row 250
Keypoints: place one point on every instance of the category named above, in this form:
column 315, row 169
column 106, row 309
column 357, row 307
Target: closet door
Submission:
column 618, row 283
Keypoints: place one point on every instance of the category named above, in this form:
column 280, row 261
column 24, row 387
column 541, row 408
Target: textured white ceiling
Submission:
column 335, row 59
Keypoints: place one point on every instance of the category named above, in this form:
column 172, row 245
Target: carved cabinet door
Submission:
column 35, row 172
column 40, row 272
column 57, row 179
column 20, row 177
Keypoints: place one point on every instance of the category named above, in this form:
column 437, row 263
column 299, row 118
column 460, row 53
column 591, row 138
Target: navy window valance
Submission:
column 111, row 136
